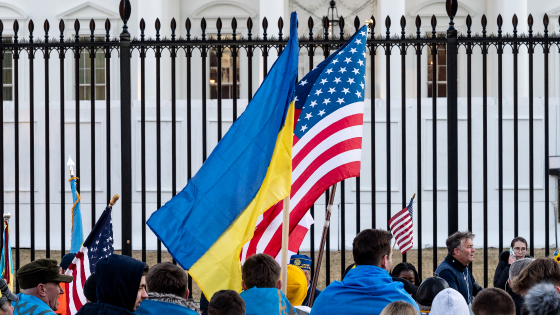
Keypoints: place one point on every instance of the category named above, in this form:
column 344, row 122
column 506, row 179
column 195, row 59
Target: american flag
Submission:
column 99, row 244
column 401, row 227
column 329, row 104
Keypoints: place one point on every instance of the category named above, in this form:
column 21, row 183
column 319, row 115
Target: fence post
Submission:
column 452, row 151
column 126, row 130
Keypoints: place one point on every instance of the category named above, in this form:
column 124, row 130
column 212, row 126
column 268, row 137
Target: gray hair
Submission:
column 543, row 299
column 456, row 239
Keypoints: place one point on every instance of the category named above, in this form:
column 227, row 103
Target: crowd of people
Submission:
column 371, row 285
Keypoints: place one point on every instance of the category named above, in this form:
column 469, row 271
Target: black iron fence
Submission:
column 101, row 51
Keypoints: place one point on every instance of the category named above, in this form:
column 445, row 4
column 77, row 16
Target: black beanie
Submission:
column 67, row 260
column 90, row 288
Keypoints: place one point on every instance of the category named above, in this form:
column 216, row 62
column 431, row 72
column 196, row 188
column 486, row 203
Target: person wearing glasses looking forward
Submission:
column 517, row 251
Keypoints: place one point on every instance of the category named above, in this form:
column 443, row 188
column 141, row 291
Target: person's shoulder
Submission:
column 157, row 307
column 504, row 256
column 102, row 308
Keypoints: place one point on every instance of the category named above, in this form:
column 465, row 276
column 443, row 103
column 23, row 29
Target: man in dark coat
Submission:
column 121, row 286
column 454, row 269
column 304, row 262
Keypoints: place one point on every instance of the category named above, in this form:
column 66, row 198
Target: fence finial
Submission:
column 188, row 28
column 142, row 28
column 77, row 30
column 280, row 27
column 418, row 24
column 173, row 28
column 92, row 30
column 325, row 27
column 219, row 27
column 434, row 24
column 46, row 27
column 388, row 26
column 107, row 29
column 249, row 27
column 357, row 23
column 61, row 27
column 372, row 31
column 264, row 26
column 31, row 27
column 203, row 27
column 403, row 25
column 234, row 28
column 124, row 11
column 158, row 27
column 341, row 26
column 310, row 25
column 16, row 29
column 451, row 7
column 530, row 22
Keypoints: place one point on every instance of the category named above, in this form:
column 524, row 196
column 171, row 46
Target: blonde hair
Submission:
column 399, row 308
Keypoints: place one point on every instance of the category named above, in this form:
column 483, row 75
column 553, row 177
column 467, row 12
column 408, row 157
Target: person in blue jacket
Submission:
column 167, row 291
column 121, row 286
column 40, row 284
column 367, row 288
column 454, row 268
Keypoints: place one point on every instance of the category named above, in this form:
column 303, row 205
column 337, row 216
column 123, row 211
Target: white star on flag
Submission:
column 353, row 50
column 321, row 113
column 334, row 61
column 358, row 93
column 340, row 101
column 308, row 116
column 356, row 71
column 348, row 60
column 342, row 70
column 318, row 92
column 327, row 101
column 303, row 127
column 358, row 41
column 302, row 83
column 332, row 90
column 313, row 103
column 361, row 62
column 337, row 80
column 350, row 80
column 323, row 81
column 345, row 90
column 329, row 71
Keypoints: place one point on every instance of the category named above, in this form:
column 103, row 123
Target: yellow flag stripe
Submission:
column 223, row 256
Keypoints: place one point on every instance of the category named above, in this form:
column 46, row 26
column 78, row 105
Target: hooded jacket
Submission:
column 459, row 277
column 118, row 281
column 364, row 290
column 266, row 301
column 162, row 303
column 449, row 301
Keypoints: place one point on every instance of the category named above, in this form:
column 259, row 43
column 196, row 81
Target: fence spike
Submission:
column 173, row 28
column 310, row 25
column 77, row 30
column 16, row 29
column 388, row 25
column 372, row 30
column 249, row 27
column 545, row 20
column 418, row 24
column 484, row 22
column 403, row 25
column 203, row 27
column 325, row 27
column 219, row 27
column 357, row 23
column 280, row 27
column 125, row 10
column 158, row 27
column 61, row 27
column 46, row 27
column 142, row 28
column 451, row 7
column 530, row 20
column 31, row 26
column 92, row 29
column 264, row 26
column 500, row 22
column 341, row 26
column 188, row 28
column 514, row 21
column 107, row 29
column 434, row 24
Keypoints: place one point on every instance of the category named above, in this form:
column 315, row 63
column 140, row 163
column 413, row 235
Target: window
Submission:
column 85, row 74
column 7, row 76
column 226, row 74
column 441, row 72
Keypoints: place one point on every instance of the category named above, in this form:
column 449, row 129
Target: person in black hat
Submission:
column 427, row 291
column 304, row 262
column 40, row 281
column 6, row 299
column 90, row 288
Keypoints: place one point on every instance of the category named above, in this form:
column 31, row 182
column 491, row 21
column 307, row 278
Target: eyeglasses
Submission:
column 520, row 249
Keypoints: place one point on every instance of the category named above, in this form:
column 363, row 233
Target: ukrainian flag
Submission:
column 6, row 261
column 205, row 226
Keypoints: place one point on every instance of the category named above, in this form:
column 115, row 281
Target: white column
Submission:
column 395, row 9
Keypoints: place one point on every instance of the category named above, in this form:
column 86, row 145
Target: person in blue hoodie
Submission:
column 167, row 291
column 454, row 268
column 121, row 286
column 368, row 288
column 261, row 287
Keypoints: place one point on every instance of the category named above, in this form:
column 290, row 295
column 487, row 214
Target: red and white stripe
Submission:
column 401, row 227
column 79, row 270
column 329, row 152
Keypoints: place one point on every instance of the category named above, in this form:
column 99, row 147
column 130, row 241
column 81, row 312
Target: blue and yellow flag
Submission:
column 6, row 260
column 77, row 229
column 205, row 226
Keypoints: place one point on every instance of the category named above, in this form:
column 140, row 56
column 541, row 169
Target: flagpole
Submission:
column 285, row 238
column 321, row 248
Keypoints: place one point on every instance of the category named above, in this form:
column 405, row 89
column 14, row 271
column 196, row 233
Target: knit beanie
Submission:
column 90, row 288
column 543, row 299
column 518, row 266
column 449, row 301
column 296, row 288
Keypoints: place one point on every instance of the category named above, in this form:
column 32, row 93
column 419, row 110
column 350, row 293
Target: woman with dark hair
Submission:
column 517, row 251
column 406, row 271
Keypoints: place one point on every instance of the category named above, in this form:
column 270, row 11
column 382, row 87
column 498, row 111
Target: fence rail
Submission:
column 184, row 51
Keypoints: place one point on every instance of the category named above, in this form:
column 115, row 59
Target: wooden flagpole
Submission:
column 285, row 238
column 321, row 248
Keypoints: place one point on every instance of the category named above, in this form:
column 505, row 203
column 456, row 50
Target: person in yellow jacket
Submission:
column 63, row 299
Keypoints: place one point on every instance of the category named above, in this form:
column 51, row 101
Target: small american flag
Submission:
column 329, row 114
column 401, row 227
column 99, row 244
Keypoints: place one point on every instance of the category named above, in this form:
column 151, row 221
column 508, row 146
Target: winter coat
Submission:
column 118, row 281
column 266, row 301
column 161, row 303
column 501, row 275
column 459, row 277
column 306, row 301
column 31, row 305
column 364, row 290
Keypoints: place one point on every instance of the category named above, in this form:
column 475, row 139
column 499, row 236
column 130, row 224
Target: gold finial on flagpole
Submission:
column 413, row 195
column 7, row 216
column 369, row 22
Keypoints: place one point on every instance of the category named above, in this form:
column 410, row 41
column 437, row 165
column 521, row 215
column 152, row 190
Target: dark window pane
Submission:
column 213, row 59
column 226, row 92
column 99, row 76
column 7, row 75
column 441, row 57
column 100, row 92
column 100, row 60
column 441, row 73
column 429, row 90
column 430, row 77
column 442, row 90
column 213, row 92
column 213, row 75
column 7, row 90
column 225, row 75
